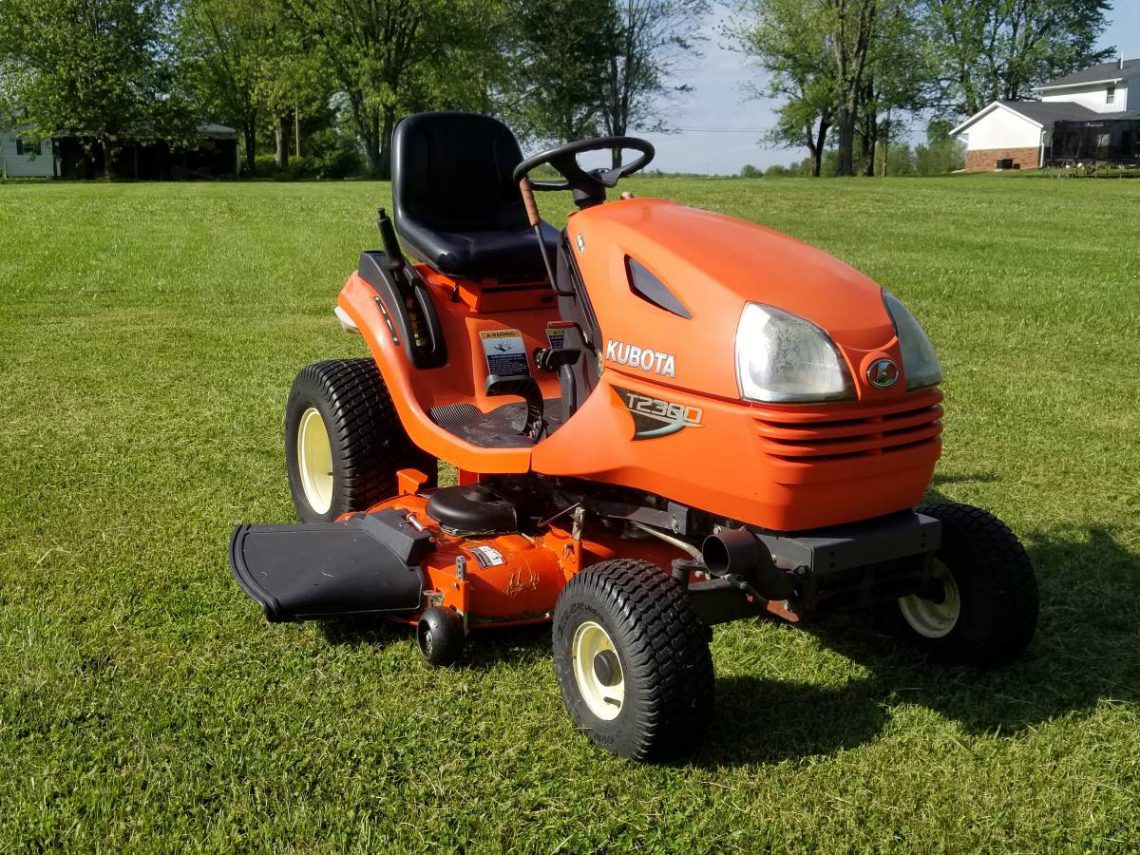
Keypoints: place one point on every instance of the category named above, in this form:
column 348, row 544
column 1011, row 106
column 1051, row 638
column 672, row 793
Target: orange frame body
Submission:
column 780, row 467
column 511, row 579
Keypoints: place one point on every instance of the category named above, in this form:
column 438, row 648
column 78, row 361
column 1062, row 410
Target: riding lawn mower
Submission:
column 662, row 419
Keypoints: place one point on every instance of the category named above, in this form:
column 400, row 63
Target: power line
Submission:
column 715, row 131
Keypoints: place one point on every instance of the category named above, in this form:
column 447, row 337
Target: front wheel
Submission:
column 633, row 660
column 981, row 608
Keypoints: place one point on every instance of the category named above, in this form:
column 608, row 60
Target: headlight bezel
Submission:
column 842, row 385
column 920, row 363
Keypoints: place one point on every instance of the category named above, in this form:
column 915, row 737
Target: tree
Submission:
column 819, row 53
column 648, row 38
column 559, row 52
column 1000, row 49
column 369, row 46
column 896, row 81
column 96, row 69
column 852, row 25
column 230, row 55
column 789, row 39
column 942, row 153
column 390, row 56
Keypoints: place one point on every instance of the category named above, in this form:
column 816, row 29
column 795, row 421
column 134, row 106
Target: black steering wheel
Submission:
column 589, row 186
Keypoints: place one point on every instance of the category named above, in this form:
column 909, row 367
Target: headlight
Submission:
column 782, row 358
column 919, row 361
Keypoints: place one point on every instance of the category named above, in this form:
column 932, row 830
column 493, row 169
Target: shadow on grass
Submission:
column 1086, row 651
column 939, row 480
column 766, row 721
column 363, row 631
column 486, row 648
column 1087, row 647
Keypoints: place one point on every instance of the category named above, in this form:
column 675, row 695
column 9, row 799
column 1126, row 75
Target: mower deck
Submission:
column 364, row 565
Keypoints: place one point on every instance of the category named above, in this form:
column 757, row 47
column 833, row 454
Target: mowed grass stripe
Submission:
column 148, row 337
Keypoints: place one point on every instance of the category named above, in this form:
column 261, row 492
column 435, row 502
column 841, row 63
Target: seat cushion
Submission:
column 455, row 203
column 501, row 255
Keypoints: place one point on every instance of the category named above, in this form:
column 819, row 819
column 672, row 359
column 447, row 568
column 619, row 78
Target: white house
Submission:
column 25, row 156
column 1090, row 116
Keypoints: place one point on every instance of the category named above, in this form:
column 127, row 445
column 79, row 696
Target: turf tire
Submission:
column 997, row 588
column 368, row 442
column 663, row 650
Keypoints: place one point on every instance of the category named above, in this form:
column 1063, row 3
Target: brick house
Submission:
column 1092, row 116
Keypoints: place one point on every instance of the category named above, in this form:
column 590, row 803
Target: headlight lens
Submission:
column 782, row 358
column 919, row 360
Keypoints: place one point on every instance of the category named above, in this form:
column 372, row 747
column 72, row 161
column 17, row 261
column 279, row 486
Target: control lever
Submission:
column 392, row 252
column 406, row 283
column 536, row 224
column 553, row 359
column 562, row 360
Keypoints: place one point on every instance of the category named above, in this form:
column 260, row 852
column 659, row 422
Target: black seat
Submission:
column 453, row 200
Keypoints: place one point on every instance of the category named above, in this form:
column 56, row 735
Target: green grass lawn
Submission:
column 148, row 337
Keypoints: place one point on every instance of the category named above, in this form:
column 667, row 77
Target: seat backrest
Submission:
column 452, row 172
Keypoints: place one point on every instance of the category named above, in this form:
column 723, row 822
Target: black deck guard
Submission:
column 368, row 564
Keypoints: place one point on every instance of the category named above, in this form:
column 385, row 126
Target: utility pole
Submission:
column 887, row 144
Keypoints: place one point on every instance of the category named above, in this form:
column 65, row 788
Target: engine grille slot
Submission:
column 792, row 435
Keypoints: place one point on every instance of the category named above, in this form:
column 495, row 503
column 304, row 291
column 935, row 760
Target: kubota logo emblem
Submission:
column 883, row 373
column 644, row 358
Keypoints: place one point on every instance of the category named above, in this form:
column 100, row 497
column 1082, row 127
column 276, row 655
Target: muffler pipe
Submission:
column 738, row 552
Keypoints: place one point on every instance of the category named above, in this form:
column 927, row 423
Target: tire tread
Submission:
column 668, row 648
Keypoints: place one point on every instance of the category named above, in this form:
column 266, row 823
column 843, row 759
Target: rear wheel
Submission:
column 633, row 660
column 344, row 441
column 982, row 607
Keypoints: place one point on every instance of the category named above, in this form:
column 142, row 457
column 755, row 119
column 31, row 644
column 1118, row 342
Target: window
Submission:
column 1110, row 94
column 27, row 146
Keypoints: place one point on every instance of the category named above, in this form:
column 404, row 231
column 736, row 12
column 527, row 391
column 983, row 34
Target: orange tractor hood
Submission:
column 714, row 265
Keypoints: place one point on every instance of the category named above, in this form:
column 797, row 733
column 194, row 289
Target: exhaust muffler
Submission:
column 738, row 552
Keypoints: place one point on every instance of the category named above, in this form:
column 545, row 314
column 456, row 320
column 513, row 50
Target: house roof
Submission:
column 1047, row 113
column 206, row 129
column 1106, row 72
column 209, row 129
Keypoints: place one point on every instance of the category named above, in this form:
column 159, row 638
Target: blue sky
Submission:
column 719, row 126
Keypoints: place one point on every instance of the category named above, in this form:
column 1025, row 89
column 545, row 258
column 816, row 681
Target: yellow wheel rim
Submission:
column 932, row 619
column 314, row 461
column 597, row 671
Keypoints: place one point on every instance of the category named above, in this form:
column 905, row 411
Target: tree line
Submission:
column 331, row 77
column 336, row 74
column 848, row 74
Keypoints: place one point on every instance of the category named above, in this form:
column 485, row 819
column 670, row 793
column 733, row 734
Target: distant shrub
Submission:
column 328, row 155
column 750, row 171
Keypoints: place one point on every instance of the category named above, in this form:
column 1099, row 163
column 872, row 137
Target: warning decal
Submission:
column 556, row 333
column 488, row 556
column 505, row 352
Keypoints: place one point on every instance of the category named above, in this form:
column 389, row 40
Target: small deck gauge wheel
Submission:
column 981, row 607
column 633, row 660
column 440, row 636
